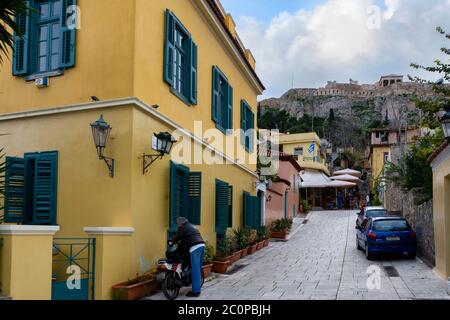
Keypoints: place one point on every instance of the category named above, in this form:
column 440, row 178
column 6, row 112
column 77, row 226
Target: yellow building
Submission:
column 147, row 67
column 305, row 146
column 440, row 162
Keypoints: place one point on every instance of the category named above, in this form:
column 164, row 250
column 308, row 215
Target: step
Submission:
column 5, row 298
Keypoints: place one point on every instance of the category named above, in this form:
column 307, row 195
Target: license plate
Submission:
column 393, row 238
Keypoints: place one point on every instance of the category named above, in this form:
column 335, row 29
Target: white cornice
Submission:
column 125, row 231
column 120, row 103
column 204, row 7
column 441, row 158
column 26, row 230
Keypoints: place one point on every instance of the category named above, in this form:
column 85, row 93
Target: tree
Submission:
column 8, row 10
column 432, row 107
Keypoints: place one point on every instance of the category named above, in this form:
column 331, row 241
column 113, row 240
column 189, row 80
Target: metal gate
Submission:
column 73, row 271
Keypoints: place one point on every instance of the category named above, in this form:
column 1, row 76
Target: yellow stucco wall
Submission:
column 25, row 266
column 119, row 54
column 441, row 217
column 377, row 160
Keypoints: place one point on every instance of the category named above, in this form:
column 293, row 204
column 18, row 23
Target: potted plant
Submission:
column 223, row 256
column 252, row 242
column 240, row 239
column 208, row 259
column 245, row 242
column 134, row 289
column 278, row 229
column 304, row 207
column 259, row 239
column 234, row 250
column 264, row 234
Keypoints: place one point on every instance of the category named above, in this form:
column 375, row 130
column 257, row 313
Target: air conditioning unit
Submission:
column 41, row 82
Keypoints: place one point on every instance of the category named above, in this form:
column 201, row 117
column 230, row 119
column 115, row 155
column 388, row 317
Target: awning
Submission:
column 313, row 179
column 346, row 177
column 340, row 184
column 348, row 172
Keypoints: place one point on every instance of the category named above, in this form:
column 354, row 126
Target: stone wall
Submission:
column 399, row 201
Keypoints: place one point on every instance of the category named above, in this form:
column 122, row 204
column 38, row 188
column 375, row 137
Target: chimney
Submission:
column 231, row 25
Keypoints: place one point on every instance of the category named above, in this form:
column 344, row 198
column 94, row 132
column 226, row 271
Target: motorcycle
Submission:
column 172, row 275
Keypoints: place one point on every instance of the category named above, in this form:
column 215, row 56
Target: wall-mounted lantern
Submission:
column 445, row 121
column 100, row 131
column 162, row 143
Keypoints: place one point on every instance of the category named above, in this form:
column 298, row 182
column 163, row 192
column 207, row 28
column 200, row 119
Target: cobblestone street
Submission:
column 320, row 261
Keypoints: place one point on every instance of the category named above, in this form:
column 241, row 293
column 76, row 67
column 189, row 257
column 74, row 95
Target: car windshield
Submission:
column 390, row 225
column 376, row 213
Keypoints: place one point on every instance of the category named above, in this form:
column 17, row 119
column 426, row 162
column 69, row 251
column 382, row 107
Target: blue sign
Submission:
column 312, row 147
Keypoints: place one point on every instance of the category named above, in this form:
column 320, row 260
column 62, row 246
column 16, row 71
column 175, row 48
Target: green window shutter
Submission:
column 251, row 126
column 222, row 206
column 195, row 197
column 215, row 94
column 20, row 65
column 15, row 191
column 68, row 34
column 256, row 213
column 243, row 122
column 169, row 48
column 193, row 73
column 43, row 174
column 178, row 201
column 229, row 120
column 230, row 206
column 247, row 210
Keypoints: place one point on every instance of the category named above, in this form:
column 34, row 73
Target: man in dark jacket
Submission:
column 190, row 240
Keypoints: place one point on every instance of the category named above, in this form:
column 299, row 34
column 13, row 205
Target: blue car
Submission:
column 380, row 235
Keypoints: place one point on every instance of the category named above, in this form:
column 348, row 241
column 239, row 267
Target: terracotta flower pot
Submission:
column 278, row 234
column 134, row 291
column 207, row 270
column 223, row 259
column 244, row 252
column 220, row 266
column 252, row 249
column 260, row 245
column 235, row 257
column 266, row 242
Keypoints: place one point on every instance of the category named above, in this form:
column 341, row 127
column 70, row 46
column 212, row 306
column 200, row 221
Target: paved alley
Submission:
column 320, row 261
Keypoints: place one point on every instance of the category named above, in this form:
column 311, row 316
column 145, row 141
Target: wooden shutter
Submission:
column 247, row 207
column 68, row 31
column 229, row 118
column 169, row 48
column 252, row 217
column 15, row 191
column 20, row 65
column 179, row 184
column 195, row 197
column 222, row 206
column 230, row 206
column 251, row 126
column 193, row 73
column 44, row 175
column 215, row 94
column 243, row 122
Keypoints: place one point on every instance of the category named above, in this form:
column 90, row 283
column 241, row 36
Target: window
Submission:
column 298, row 152
column 252, row 216
column 222, row 101
column 30, row 188
column 185, row 195
column 45, row 42
column 180, row 60
column 247, row 126
column 224, row 207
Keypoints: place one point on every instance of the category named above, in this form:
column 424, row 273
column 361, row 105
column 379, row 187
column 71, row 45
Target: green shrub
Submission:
column 240, row 238
column 209, row 254
column 306, row 207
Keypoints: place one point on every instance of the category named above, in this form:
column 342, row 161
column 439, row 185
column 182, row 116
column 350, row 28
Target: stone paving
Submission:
column 320, row 262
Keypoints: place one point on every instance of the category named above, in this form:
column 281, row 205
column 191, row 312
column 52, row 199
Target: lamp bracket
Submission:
column 149, row 159
column 110, row 162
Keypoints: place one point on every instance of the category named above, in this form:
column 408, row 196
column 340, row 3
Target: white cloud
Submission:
column 332, row 42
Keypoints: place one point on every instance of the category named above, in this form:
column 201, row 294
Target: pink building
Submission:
column 283, row 196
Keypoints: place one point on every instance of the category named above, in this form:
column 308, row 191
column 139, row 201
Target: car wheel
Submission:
column 411, row 255
column 369, row 256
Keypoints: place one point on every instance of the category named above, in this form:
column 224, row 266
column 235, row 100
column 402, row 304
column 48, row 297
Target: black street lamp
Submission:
column 445, row 121
column 100, row 131
column 163, row 145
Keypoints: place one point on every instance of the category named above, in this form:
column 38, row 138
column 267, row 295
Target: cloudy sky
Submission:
column 308, row 42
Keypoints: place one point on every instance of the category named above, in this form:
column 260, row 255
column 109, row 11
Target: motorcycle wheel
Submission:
column 169, row 287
